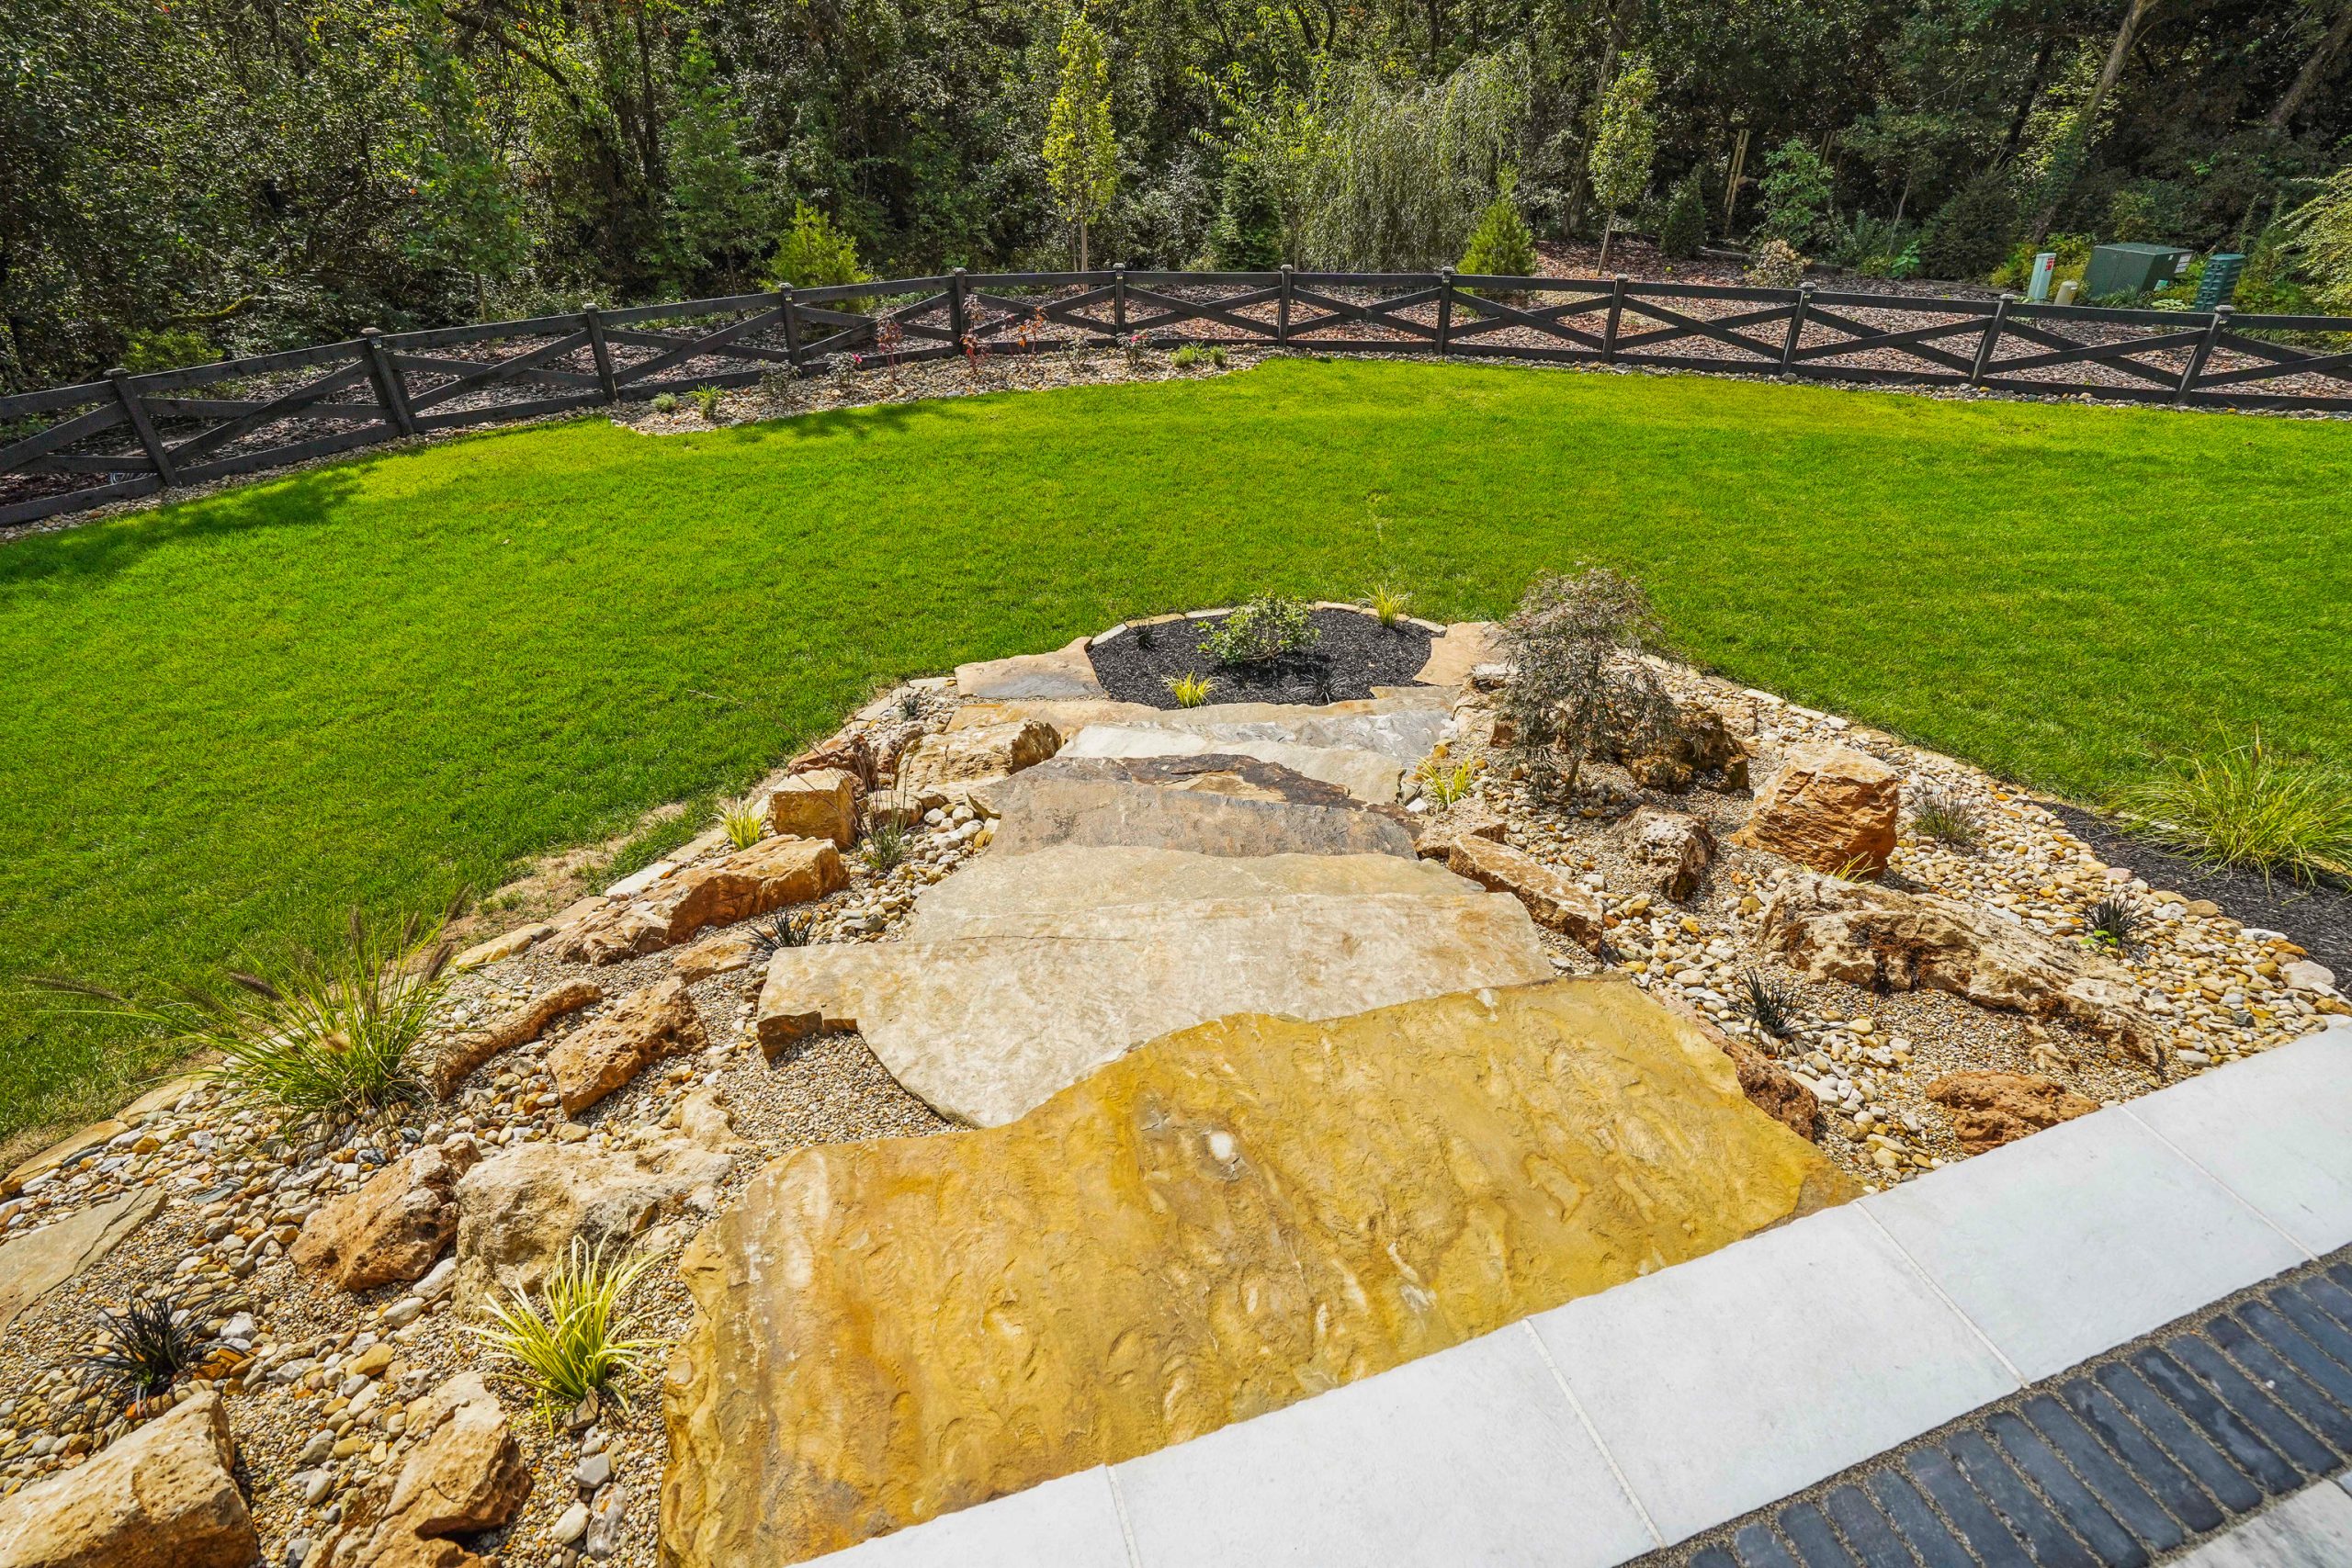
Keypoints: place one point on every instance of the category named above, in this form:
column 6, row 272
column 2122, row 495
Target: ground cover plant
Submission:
column 230, row 720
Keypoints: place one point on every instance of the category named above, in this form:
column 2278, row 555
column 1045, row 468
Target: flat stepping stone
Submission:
column 1020, row 985
column 1228, row 1220
column 1210, row 803
column 1065, row 672
column 1366, row 776
column 1461, row 648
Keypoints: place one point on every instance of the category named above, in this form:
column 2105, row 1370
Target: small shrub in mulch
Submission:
column 1351, row 654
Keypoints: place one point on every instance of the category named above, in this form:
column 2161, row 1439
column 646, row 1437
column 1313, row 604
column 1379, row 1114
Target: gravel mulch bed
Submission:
column 1352, row 653
column 2318, row 918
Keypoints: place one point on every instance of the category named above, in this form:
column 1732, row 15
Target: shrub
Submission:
column 1136, row 349
column 168, row 348
column 1189, row 690
column 1266, row 628
column 1194, row 355
column 567, row 1345
column 706, row 402
column 2246, row 806
column 666, row 402
column 1248, row 234
column 146, row 1347
column 1684, row 229
column 1501, row 245
column 1970, row 234
column 1796, row 190
column 1579, row 688
column 2322, row 227
column 1776, row 265
column 1389, row 604
column 745, row 820
column 813, row 253
column 1945, row 816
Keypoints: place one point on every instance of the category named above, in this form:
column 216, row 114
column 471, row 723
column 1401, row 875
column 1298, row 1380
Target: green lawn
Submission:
column 229, row 721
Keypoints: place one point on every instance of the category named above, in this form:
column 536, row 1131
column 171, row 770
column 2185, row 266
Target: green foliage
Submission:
column 1247, row 236
column 168, row 348
column 1579, row 687
column 1501, row 246
column 1970, row 234
column 666, row 402
column 1267, row 627
column 1194, row 356
column 2073, row 250
column 1444, row 782
column 1389, row 605
column 1796, row 189
column 1947, row 817
column 1624, row 141
column 813, row 253
column 2322, row 227
column 2111, row 922
column 1876, row 247
column 715, row 207
column 1082, row 150
column 143, row 1348
column 2245, row 805
column 887, row 837
column 745, row 819
column 1189, row 690
column 1685, row 228
column 709, row 400
column 568, row 1344
column 1768, row 1005
column 1398, row 171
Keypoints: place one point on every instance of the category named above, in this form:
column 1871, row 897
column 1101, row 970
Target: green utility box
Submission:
column 2131, row 269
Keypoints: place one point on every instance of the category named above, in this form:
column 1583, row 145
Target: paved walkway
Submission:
column 1644, row 1420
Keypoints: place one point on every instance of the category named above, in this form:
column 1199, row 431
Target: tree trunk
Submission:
column 1081, row 244
column 1607, row 231
column 2314, row 69
column 2033, row 91
column 2134, row 14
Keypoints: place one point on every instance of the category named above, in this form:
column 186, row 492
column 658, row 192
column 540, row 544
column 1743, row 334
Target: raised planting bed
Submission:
column 1352, row 653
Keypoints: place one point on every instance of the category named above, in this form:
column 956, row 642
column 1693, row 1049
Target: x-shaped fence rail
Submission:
column 68, row 448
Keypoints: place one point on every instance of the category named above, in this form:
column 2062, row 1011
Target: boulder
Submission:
column 942, row 764
column 720, row 953
column 1210, row 805
column 518, row 1211
column 446, row 1062
column 1680, row 848
column 1435, row 832
column 849, row 752
column 161, row 1496
column 1555, row 900
column 1401, row 729
column 1019, row 974
column 1455, row 652
column 465, row 1474
column 502, row 946
column 768, row 876
column 591, row 1061
column 33, row 1264
column 394, row 1228
column 1367, row 776
column 1695, row 744
column 821, row 802
column 1827, row 809
column 1226, row 1221
column 1065, row 672
column 1889, row 939
column 1992, row 1109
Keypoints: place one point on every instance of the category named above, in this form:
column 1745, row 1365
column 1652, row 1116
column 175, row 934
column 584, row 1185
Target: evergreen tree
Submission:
column 1248, row 235
column 813, row 253
column 1624, row 146
column 1501, row 246
column 1082, row 150
column 1685, row 228
column 1970, row 235
column 714, row 211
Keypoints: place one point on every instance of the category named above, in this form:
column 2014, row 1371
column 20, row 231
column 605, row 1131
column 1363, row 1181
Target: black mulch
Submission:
column 1352, row 654
column 2318, row 920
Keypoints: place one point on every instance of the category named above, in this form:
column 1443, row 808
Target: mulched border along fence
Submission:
column 128, row 437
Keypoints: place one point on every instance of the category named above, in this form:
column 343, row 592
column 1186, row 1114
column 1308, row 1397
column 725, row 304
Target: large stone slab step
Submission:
column 1211, row 804
column 1369, row 776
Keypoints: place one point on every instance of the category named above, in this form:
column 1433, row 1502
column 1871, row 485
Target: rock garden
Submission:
column 1073, row 1053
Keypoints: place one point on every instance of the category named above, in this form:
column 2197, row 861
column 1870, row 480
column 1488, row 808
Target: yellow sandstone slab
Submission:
column 1225, row 1221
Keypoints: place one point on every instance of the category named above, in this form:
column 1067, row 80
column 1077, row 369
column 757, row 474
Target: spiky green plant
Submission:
column 781, row 931
column 1945, row 816
column 887, row 840
column 1768, row 1005
column 745, row 820
column 2111, row 922
column 1444, row 783
column 707, row 401
column 1189, row 690
column 568, row 1344
column 2248, row 806
column 1389, row 604
column 147, row 1346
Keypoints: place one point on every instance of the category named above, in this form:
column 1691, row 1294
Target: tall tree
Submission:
column 1081, row 149
column 2316, row 65
column 1625, row 145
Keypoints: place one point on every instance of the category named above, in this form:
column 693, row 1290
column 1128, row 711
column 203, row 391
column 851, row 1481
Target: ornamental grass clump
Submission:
column 1267, row 627
column 744, row 819
column 1189, row 690
column 1389, row 604
column 143, row 1348
column 2246, row 807
column 568, row 1344
column 1945, row 816
column 2111, row 923
column 1768, row 1005
column 1443, row 784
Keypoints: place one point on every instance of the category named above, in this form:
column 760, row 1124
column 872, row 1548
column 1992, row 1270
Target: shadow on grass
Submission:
column 95, row 551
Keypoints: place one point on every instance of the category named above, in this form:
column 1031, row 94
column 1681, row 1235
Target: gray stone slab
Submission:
column 1366, row 776
column 2311, row 1529
column 2068, row 1243
column 1723, row 1384
column 1073, row 1522
column 1472, row 1455
column 2297, row 1168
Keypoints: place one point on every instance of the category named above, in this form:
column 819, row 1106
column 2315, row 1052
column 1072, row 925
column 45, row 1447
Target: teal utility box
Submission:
column 2131, row 269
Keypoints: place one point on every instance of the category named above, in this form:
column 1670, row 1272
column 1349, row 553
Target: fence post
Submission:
column 1119, row 300
column 141, row 426
column 955, row 311
column 1796, row 328
column 608, row 387
column 1991, row 340
column 1616, row 309
column 792, row 328
column 1444, row 308
column 2203, row 351
column 390, row 391
column 1281, row 311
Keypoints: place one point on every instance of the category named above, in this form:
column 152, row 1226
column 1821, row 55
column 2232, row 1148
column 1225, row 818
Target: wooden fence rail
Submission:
column 125, row 436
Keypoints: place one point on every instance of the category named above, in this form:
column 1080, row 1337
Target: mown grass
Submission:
column 230, row 720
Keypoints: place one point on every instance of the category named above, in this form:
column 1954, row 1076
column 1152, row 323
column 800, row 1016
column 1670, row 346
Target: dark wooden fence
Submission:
column 126, row 436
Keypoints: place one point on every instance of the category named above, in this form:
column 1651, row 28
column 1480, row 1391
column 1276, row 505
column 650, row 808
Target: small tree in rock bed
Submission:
column 1578, row 686
column 1623, row 146
column 1082, row 150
